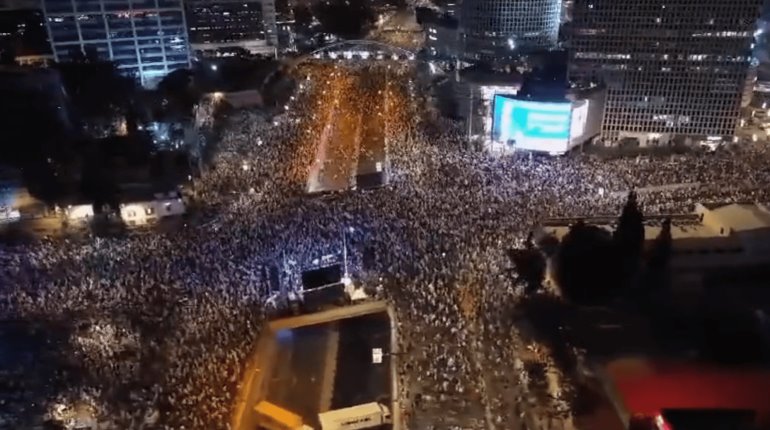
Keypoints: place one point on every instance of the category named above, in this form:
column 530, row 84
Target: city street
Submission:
column 352, row 141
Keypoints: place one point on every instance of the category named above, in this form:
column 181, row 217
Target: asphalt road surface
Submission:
column 353, row 141
column 358, row 380
column 297, row 382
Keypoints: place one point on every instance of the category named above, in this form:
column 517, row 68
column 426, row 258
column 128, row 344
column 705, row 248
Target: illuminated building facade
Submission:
column 675, row 69
column 144, row 38
column 496, row 29
column 440, row 31
column 216, row 26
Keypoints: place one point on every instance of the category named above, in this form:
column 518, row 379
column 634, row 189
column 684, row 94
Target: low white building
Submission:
column 136, row 212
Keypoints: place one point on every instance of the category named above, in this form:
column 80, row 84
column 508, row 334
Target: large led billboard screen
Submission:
column 532, row 125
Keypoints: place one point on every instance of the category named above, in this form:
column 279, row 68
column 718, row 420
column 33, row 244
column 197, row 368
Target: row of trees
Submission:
column 595, row 265
column 101, row 133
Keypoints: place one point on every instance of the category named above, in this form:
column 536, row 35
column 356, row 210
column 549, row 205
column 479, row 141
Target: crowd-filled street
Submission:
column 158, row 325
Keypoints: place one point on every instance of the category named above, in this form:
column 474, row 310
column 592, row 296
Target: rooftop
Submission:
column 721, row 224
column 737, row 217
column 648, row 387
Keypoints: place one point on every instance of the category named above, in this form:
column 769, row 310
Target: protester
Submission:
column 162, row 323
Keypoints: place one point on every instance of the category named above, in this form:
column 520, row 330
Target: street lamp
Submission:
column 346, row 276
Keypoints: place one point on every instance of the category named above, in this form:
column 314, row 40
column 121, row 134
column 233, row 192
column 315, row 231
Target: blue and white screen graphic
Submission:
column 502, row 122
column 535, row 126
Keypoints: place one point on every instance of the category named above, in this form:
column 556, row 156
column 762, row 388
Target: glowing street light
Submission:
column 345, row 251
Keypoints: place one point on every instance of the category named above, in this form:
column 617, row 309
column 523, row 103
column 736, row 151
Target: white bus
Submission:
column 363, row 416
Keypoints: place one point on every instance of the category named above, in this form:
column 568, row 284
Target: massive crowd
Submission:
column 155, row 327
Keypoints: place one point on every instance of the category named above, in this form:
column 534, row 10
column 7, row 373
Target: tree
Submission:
column 98, row 181
column 96, row 88
column 659, row 258
column 587, row 264
column 628, row 238
column 178, row 88
column 549, row 316
column 303, row 16
column 42, row 180
column 530, row 265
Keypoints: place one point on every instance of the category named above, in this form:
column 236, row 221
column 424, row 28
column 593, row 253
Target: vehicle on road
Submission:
column 363, row 416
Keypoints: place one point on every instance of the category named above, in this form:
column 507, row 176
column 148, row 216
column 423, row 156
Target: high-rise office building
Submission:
column 145, row 38
column 675, row 69
column 495, row 29
column 217, row 26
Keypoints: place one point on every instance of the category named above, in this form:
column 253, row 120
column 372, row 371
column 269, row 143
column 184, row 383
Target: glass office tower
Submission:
column 216, row 26
column 145, row 38
column 676, row 70
column 494, row 29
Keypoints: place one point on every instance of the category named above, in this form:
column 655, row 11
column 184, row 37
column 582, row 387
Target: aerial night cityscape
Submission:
column 385, row 214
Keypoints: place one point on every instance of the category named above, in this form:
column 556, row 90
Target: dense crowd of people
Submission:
column 158, row 325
